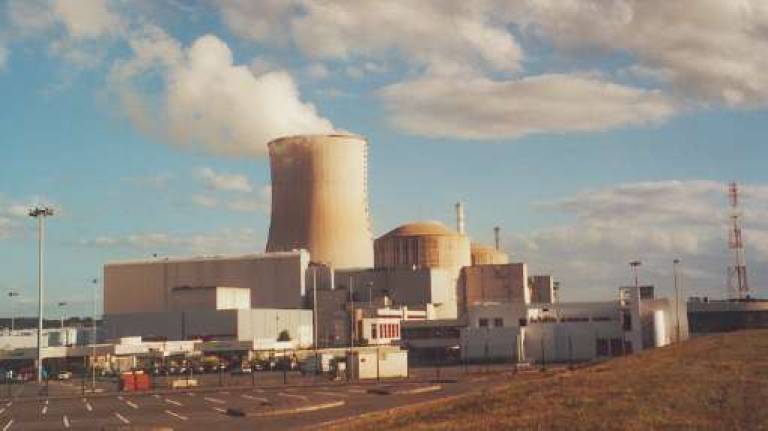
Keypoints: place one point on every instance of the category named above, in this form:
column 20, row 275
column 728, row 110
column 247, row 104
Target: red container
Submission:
column 131, row 382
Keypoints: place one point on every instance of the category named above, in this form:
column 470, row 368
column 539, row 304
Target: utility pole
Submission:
column 40, row 213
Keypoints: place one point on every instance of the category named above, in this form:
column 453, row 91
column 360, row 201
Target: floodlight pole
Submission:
column 40, row 213
column 95, row 282
column 12, row 294
column 676, row 276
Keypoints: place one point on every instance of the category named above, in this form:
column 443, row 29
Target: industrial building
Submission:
column 264, row 328
column 707, row 316
column 274, row 280
column 577, row 331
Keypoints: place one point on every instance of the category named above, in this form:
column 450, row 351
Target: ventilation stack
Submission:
column 460, row 217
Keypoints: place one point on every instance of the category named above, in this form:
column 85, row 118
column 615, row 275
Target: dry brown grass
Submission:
column 717, row 382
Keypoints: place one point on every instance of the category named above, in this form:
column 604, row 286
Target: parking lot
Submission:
column 283, row 406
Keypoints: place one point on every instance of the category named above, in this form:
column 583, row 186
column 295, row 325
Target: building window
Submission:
column 498, row 322
column 627, row 321
column 601, row 348
column 617, row 347
column 483, row 323
column 373, row 331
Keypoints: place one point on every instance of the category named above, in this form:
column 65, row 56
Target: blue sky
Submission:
column 590, row 145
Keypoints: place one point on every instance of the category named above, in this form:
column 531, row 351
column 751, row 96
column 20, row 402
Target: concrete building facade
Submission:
column 263, row 327
column 503, row 283
column 275, row 280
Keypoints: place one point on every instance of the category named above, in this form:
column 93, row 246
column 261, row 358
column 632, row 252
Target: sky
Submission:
column 592, row 133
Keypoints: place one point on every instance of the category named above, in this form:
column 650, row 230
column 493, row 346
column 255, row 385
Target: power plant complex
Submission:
column 324, row 282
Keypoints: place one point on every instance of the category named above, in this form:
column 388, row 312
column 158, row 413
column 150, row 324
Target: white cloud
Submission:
column 480, row 108
column 209, row 103
column 258, row 201
column 86, row 18
column 242, row 240
column 443, row 36
column 3, row 55
column 76, row 29
column 651, row 221
column 707, row 52
column 317, row 71
column 227, row 182
column 14, row 214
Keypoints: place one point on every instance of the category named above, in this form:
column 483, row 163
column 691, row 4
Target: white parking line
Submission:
column 251, row 397
column 44, row 411
column 132, row 404
column 66, row 421
column 301, row 397
column 119, row 397
column 301, row 409
column 174, row 402
column 220, row 410
column 122, row 418
column 332, row 394
column 8, row 425
column 88, row 407
column 422, row 390
column 176, row 415
column 356, row 391
column 2, row 410
column 156, row 395
column 214, row 400
column 190, row 394
column 46, row 402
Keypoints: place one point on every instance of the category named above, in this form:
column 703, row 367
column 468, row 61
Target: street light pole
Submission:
column 635, row 264
column 314, row 306
column 40, row 213
column 675, row 276
column 12, row 294
column 63, row 304
column 95, row 283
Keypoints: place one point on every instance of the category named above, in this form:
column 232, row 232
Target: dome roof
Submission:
column 421, row 229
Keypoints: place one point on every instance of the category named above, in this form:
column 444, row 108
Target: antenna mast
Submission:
column 738, row 287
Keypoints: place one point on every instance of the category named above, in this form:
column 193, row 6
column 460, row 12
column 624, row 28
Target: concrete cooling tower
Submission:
column 320, row 199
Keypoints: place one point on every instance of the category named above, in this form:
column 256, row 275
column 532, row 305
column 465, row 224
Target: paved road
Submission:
column 264, row 408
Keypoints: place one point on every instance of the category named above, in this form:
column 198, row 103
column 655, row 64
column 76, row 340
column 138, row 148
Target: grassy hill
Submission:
column 717, row 382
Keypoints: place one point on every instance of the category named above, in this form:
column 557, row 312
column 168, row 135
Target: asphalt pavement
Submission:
column 288, row 406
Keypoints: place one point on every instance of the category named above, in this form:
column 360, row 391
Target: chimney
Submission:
column 497, row 237
column 460, row 217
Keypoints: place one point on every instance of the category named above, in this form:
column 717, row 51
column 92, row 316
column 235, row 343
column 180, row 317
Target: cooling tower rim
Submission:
column 313, row 136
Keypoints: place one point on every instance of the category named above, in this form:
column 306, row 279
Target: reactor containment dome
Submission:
column 320, row 199
column 422, row 245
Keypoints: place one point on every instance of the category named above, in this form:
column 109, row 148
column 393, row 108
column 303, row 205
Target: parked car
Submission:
column 242, row 370
column 64, row 375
